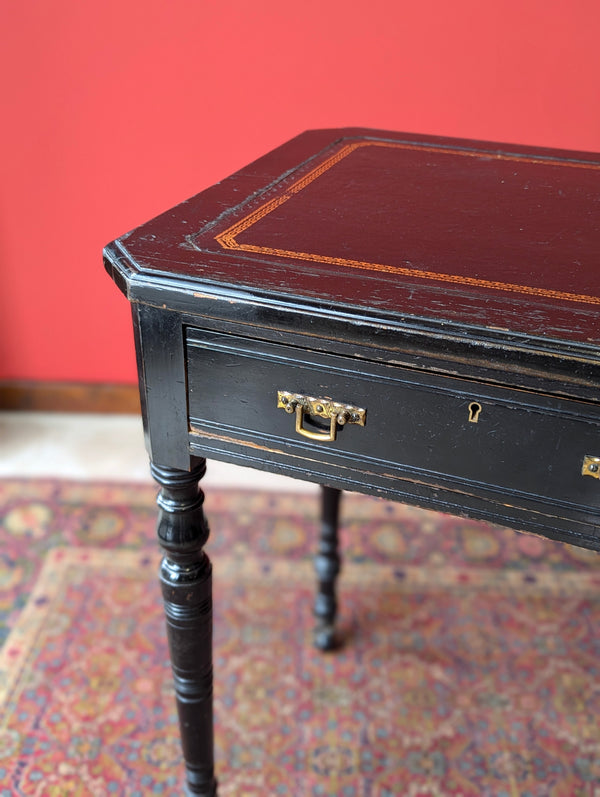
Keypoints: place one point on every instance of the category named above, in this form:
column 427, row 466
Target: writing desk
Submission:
column 406, row 316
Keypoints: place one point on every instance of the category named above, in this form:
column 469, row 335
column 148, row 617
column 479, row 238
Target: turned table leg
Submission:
column 186, row 582
column 327, row 566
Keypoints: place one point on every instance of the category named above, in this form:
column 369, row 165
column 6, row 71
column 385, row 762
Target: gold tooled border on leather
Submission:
column 227, row 238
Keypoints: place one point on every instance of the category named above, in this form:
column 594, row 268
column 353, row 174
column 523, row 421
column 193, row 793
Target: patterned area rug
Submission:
column 471, row 663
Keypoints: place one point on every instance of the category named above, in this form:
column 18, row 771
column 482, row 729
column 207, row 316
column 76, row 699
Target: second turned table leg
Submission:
column 327, row 566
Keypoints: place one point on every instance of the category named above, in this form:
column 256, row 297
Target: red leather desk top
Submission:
column 467, row 233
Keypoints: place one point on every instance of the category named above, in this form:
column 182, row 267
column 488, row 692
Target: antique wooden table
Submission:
column 407, row 316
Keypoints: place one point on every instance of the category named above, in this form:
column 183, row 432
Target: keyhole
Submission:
column 474, row 411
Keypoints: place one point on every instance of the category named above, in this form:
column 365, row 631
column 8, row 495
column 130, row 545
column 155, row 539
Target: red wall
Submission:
column 115, row 110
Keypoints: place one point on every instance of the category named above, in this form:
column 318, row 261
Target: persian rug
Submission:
column 470, row 662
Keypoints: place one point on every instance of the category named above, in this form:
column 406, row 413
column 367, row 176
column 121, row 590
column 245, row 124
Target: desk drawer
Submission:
column 420, row 427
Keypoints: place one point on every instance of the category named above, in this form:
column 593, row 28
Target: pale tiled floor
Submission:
column 101, row 447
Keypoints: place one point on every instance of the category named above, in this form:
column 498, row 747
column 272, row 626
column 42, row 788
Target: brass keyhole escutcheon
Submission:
column 474, row 411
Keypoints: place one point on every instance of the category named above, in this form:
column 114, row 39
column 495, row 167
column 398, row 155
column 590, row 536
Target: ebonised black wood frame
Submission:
column 542, row 347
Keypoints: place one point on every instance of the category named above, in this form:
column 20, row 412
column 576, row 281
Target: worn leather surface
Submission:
column 487, row 235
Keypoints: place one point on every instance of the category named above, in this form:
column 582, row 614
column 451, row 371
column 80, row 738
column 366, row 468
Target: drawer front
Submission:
column 431, row 429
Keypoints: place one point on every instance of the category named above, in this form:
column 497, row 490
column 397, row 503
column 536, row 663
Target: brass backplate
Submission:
column 591, row 466
column 323, row 407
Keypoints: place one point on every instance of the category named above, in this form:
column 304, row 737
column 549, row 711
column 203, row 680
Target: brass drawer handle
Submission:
column 335, row 411
column 591, row 466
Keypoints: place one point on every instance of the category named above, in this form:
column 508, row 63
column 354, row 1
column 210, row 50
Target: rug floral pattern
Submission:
column 470, row 663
